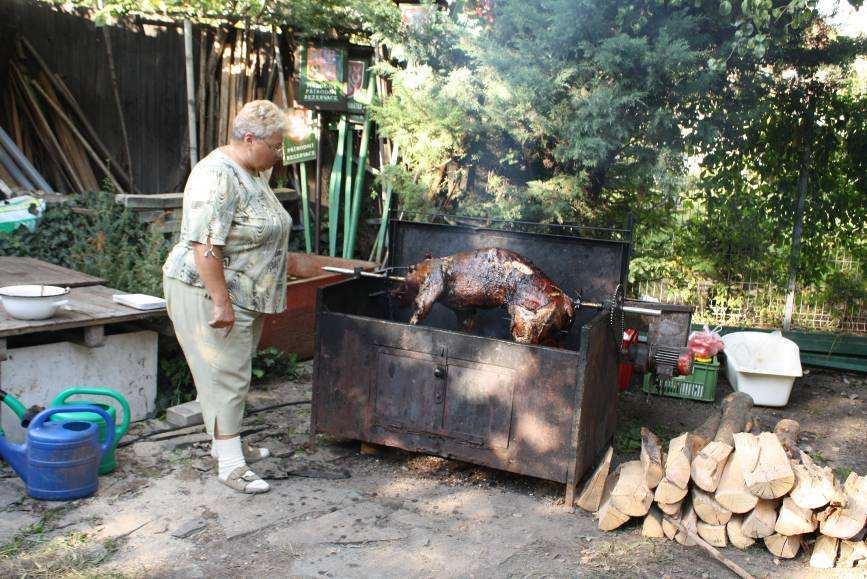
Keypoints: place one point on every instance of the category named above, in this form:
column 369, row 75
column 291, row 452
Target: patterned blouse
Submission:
column 234, row 209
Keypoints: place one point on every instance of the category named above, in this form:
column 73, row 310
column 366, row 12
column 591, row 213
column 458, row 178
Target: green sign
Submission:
column 300, row 142
column 322, row 77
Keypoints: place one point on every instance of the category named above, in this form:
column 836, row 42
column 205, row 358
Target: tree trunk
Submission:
column 798, row 227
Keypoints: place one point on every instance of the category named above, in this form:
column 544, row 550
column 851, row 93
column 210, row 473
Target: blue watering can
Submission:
column 60, row 460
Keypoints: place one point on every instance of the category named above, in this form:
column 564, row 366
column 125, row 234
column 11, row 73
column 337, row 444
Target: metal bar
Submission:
column 362, row 273
column 318, row 191
column 642, row 311
column 494, row 220
column 191, row 93
column 16, row 154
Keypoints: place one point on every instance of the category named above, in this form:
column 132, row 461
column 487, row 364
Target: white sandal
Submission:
column 242, row 478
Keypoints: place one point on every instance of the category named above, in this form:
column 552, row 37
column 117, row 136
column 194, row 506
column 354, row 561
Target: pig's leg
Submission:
column 428, row 293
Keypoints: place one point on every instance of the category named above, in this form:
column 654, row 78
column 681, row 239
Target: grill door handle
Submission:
column 440, row 372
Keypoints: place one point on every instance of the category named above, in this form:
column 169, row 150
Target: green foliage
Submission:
column 272, row 364
column 93, row 234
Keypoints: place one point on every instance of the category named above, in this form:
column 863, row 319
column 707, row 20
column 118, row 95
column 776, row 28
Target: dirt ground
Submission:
column 337, row 513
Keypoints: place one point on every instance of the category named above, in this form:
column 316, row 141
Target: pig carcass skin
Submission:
column 490, row 278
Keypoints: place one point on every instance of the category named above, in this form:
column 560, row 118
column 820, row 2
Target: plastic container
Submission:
column 764, row 365
column 24, row 211
column 700, row 385
column 624, row 370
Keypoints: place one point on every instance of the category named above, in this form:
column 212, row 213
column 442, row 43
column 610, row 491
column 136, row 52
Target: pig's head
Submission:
column 415, row 275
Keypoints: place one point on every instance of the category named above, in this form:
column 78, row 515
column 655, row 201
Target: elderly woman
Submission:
column 226, row 272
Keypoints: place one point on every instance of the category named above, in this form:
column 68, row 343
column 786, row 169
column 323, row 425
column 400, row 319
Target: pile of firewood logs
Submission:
column 722, row 484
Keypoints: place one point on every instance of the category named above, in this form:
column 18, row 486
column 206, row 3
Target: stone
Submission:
column 190, row 528
column 186, row 414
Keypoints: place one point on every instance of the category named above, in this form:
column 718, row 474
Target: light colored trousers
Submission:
column 221, row 365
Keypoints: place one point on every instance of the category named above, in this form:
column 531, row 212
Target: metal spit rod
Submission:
column 399, row 278
column 360, row 272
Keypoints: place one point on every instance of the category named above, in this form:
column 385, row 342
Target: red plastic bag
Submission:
column 705, row 344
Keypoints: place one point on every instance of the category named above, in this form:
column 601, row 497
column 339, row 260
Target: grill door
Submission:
column 466, row 401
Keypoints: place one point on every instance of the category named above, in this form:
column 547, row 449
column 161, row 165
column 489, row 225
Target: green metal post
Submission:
column 305, row 208
column 347, row 191
column 334, row 188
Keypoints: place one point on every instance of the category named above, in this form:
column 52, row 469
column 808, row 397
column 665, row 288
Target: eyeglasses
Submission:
column 276, row 148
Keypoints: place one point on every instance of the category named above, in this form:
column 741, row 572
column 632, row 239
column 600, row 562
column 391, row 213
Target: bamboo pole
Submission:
column 305, row 207
column 81, row 138
column 359, row 177
column 334, row 187
column 347, row 190
column 192, row 133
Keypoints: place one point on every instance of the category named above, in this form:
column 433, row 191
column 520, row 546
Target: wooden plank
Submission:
column 176, row 200
column 27, row 270
column 89, row 306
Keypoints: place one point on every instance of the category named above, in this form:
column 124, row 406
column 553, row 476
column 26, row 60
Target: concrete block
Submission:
column 126, row 363
column 186, row 414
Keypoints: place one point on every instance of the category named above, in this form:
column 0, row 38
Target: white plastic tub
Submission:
column 762, row 365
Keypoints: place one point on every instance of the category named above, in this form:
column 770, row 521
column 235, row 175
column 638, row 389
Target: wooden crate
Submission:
column 293, row 330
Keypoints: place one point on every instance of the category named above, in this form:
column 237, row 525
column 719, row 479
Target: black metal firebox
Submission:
column 534, row 410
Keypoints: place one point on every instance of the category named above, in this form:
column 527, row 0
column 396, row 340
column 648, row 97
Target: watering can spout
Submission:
column 15, row 455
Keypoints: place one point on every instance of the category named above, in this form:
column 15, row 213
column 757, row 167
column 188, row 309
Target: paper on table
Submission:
column 139, row 301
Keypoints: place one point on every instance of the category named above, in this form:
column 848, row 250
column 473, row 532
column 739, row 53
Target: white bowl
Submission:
column 32, row 302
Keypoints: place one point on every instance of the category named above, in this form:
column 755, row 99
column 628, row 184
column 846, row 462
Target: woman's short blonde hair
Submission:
column 260, row 118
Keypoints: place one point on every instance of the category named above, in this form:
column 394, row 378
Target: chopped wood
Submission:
column 815, row 486
column 651, row 458
column 735, row 533
column 688, row 527
column 709, row 549
column 793, row 520
column 846, row 521
column 824, row 552
column 759, row 523
column 630, row 494
column 670, row 524
column 713, row 534
column 783, row 546
column 591, row 496
column 766, row 469
column 707, row 467
column 735, row 415
column 787, row 431
column 675, row 483
column 609, row 517
column 852, row 554
column 652, row 526
column 708, row 509
column 705, row 432
column 672, row 509
column 732, row 493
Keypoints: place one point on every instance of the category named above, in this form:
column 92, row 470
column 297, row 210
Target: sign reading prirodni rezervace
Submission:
column 300, row 142
column 322, row 76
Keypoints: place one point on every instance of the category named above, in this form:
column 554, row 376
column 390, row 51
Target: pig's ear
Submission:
column 428, row 255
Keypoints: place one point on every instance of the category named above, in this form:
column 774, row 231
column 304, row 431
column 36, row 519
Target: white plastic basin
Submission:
column 762, row 365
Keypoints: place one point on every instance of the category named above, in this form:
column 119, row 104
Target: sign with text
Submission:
column 322, row 76
column 301, row 140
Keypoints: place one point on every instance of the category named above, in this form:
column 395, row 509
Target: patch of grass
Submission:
column 31, row 535
column 842, row 472
column 818, row 458
column 627, row 438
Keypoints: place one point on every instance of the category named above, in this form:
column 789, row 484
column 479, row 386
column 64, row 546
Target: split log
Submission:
column 709, row 549
column 793, row 520
column 688, row 529
column 672, row 509
column 609, row 517
column 736, row 413
column 591, row 496
column 824, row 552
column 852, row 554
column 630, row 494
column 787, row 432
column 735, row 533
column 783, row 546
column 846, row 521
column 675, row 483
column 670, row 525
column 766, row 469
column 760, row 522
column 815, row 486
column 713, row 534
column 707, row 467
column 651, row 458
column 708, row 509
column 652, row 526
column 732, row 493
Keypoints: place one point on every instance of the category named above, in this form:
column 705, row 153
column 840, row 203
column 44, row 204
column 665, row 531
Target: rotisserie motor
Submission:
column 491, row 278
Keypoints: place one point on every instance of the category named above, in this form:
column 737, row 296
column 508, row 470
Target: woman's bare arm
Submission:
column 209, row 264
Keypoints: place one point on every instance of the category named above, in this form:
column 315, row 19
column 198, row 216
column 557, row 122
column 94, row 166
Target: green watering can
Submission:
column 14, row 405
column 108, row 462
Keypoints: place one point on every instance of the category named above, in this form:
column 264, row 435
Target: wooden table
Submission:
column 27, row 270
column 90, row 307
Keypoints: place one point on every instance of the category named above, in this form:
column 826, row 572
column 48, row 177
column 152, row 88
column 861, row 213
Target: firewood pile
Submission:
column 722, row 484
